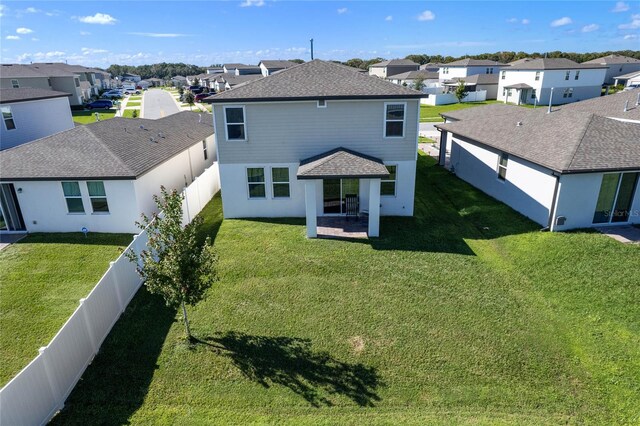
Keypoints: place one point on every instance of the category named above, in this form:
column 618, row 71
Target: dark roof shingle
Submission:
column 549, row 64
column 342, row 163
column 28, row 94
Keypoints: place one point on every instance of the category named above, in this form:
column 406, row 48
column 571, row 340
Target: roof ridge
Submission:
column 88, row 128
column 580, row 140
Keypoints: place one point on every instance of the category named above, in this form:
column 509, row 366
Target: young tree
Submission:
column 196, row 81
column 174, row 265
column 189, row 98
column 134, row 114
column 418, row 84
column 461, row 91
column 181, row 90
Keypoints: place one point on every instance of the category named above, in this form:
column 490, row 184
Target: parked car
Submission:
column 100, row 103
column 193, row 87
column 112, row 94
column 130, row 92
column 201, row 96
column 197, row 91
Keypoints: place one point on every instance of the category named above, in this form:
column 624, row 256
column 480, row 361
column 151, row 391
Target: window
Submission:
column 568, row 93
column 234, row 122
column 255, row 180
column 577, row 75
column 98, row 197
column 15, row 84
column 503, row 74
column 49, row 82
column 204, row 149
column 508, row 92
column 566, row 75
column 394, row 120
column 388, row 186
column 73, row 197
column 489, row 71
column 502, row 166
column 77, row 82
column 322, row 103
column 537, row 75
column 7, row 117
column 280, row 182
column 533, row 93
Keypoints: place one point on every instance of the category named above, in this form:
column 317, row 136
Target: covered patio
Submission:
column 523, row 92
column 343, row 188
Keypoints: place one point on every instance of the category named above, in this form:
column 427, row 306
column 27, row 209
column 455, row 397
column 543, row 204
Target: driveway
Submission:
column 427, row 130
column 157, row 104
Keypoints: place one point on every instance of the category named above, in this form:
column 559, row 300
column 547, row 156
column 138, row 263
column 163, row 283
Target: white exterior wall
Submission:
column 35, row 120
column 615, row 70
column 43, row 202
column 378, row 71
column 528, row 188
column 577, row 199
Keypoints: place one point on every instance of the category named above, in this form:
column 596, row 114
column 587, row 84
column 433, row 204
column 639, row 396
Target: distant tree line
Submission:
column 503, row 57
column 163, row 70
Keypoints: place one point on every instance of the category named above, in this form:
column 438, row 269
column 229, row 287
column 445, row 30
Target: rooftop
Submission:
column 394, row 62
column 412, row 75
column 316, row 80
column 473, row 63
column 475, row 79
column 549, row 64
column 342, row 163
column 24, row 94
column 118, row 148
column 278, row 64
column 613, row 59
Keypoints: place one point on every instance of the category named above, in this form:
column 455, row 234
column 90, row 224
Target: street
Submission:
column 157, row 104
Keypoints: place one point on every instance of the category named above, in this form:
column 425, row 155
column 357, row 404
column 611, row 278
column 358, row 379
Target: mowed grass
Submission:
column 128, row 113
column 42, row 278
column 89, row 116
column 430, row 113
column 462, row 314
column 133, row 104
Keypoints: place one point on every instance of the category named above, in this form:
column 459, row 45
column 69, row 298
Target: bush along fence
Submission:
column 35, row 394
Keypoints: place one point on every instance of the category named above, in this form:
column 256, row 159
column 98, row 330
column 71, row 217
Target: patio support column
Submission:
column 374, row 207
column 310, row 208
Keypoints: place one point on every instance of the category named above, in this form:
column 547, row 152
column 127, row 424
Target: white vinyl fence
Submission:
column 450, row 98
column 34, row 395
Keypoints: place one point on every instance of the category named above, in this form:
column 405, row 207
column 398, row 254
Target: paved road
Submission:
column 157, row 104
column 427, row 130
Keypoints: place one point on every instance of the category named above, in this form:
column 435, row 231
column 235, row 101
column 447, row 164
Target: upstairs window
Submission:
column 77, row 81
column 394, row 120
column 489, row 71
column 537, row 75
column 533, row 93
column 7, row 117
column 204, row 149
column 73, row 197
column 388, row 186
column 98, row 197
column 577, row 75
column 503, row 74
column 15, row 84
column 235, row 124
column 566, row 75
column 280, row 182
column 256, row 182
column 502, row 166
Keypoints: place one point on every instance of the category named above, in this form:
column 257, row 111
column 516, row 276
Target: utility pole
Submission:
column 311, row 49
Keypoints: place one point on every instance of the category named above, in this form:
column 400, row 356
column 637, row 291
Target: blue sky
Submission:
column 100, row 33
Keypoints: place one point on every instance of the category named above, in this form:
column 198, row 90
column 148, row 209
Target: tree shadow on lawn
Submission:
column 92, row 238
column 291, row 362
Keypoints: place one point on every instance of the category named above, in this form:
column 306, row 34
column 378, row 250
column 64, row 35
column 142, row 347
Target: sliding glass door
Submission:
column 334, row 193
column 615, row 200
column 10, row 214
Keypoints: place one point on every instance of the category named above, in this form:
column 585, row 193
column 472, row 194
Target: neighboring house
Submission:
column 386, row 69
column 467, row 67
column 214, row 70
column 29, row 114
column 476, row 82
column 431, row 66
column 241, row 69
column 103, row 79
column 48, row 78
column 408, row 78
column 616, row 65
column 132, row 77
column 101, row 176
column 575, row 167
column 530, row 81
column 629, row 80
column 89, row 85
column 268, row 67
column 299, row 144
column 144, row 84
column 155, row 82
column 226, row 81
column 179, row 80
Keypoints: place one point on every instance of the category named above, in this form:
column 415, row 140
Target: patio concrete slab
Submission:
column 625, row 234
column 341, row 227
column 7, row 239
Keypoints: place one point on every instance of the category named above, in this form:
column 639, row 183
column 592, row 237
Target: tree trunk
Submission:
column 186, row 320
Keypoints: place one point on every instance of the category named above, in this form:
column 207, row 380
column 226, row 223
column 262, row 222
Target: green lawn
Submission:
column 42, row 277
column 463, row 314
column 432, row 113
column 128, row 113
column 422, row 139
column 86, row 117
column 134, row 98
column 133, row 104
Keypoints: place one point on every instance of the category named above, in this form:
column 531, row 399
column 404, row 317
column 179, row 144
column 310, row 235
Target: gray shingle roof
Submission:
column 473, row 63
column 550, row 64
column 342, row 163
column 518, row 86
column 28, row 94
column 628, row 75
column 112, row 149
column 56, row 69
column 475, row 79
column 316, row 80
column 412, row 75
column 613, row 59
column 18, row 71
column 572, row 139
column 278, row 64
column 394, row 62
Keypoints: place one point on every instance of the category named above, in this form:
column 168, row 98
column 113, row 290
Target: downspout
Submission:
column 554, row 203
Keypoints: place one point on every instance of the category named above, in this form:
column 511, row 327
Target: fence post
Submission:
column 53, row 386
column 116, row 283
column 87, row 323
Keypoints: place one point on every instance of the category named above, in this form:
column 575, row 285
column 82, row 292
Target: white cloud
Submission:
column 633, row 25
column 98, row 18
column 160, row 35
column 249, row 3
column 512, row 20
column 2, row 9
column 562, row 21
column 631, row 37
column 620, row 7
column 32, row 10
column 589, row 28
column 90, row 51
column 12, row 37
column 35, row 39
column 84, row 33
column 389, row 18
column 342, row 10
column 23, row 30
column 525, row 21
column 427, row 15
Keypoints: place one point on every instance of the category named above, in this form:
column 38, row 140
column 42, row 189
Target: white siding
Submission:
column 615, row 70
column 528, row 188
column 35, row 120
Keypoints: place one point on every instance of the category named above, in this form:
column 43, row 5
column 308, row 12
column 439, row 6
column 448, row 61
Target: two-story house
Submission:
column 299, row 144
column 468, row 67
column 131, row 77
column 541, row 80
column 42, row 76
column 268, row 67
column 386, row 69
column 241, row 69
column 29, row 114
column 617, row 65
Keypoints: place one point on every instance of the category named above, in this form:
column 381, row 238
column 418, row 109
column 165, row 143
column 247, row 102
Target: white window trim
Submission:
column 244, row 123
column 322, row 106
column 537, row 76
column 500, row 166
column 395, row 183
column 577, row 76
column 15, row 85
column 384, row 122
column 64, row 196
column 265, row 183
column 273, row 182
column 95, row 196
column 4, row 120
column 205, row 150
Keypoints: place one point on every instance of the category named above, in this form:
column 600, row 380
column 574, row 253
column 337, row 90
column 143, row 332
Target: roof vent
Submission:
column 152, row 140
column 142, row 127
column 626, row 106
column 638, row 100
column 199, row 118
column 519, row 123
column 161, row 135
